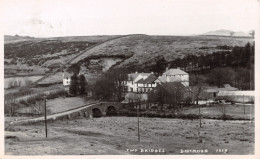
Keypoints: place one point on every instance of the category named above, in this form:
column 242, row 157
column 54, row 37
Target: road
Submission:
column 54, row 116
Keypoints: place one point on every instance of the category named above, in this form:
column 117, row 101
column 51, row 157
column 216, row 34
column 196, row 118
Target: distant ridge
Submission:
column 223, row 32
column 18, row 38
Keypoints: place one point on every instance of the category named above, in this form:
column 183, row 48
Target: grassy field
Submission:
column 20, row 80
column 116, row 135
column 236, row 111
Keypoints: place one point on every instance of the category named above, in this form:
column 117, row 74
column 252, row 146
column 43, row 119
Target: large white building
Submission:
column 140, row 82
column 145, row 82
column 175, row 75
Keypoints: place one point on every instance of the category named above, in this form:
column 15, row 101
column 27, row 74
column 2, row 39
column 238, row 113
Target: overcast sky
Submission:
column 50, row 18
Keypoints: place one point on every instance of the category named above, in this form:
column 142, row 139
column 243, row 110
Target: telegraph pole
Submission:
column 138, row 131
column 200, row 116
column 45, row 117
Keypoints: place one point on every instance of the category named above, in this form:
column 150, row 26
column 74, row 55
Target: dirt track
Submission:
column 114, row 135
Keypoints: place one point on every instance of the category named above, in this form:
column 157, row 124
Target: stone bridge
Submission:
column 88, row 111
column 98, row 110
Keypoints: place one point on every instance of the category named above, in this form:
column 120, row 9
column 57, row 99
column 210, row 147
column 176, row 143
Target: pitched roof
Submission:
column 175, row 72
column 237, row 96
column 226, row 85
column 170, row 79
column 162, row 78
column 145, row 74
column 150, row 79
column 67, row 74
column 133, row 76
column 171, row 87
column 236, row 93
column 140, row 80
column 215, row 90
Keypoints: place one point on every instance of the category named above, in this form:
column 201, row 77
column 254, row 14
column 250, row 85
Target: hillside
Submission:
column 26, row 55
column 142, row 50
column 96, row 39
column 98, row 53
column 224, row 32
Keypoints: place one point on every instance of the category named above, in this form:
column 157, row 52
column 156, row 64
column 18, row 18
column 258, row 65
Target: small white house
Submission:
column 66, row 78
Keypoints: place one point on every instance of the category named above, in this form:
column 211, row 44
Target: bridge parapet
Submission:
column 87, row 111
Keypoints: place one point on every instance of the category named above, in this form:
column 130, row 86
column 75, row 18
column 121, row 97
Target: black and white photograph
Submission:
column 129, row 77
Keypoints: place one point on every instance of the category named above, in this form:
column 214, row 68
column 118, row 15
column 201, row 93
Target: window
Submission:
column 125, row 89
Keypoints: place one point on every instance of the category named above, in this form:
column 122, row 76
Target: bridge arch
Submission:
column 111, row 111
column 96, row 113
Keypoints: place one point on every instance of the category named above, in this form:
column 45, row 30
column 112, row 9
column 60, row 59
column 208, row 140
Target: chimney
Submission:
column 167, row 78
column 151, row 72
column 167, row 68
column 136, row 72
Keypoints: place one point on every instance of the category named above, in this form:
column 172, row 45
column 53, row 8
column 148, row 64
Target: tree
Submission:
column 74, row 68
column 167, row 93
column 111, row 84
column 219, row 76
column 196, row 83
column 160, row 65
column 82, row 84
column 158, row 95
column 74, row 85
column 103, row 89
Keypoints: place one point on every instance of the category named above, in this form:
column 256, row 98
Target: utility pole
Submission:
column 45, row 117
column 224, row 109
column 200, row 116
column 250, row 114
column 138, row 131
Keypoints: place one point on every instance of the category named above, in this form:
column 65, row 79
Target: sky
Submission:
column 52, row 18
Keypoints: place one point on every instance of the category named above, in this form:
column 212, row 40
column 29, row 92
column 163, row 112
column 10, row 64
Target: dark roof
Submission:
column 150, row 79
column 171, row 87
column 132, row 76
column 140, row 81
